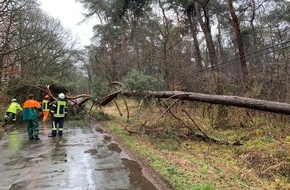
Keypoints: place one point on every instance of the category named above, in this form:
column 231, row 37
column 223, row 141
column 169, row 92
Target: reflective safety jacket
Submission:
column 45, row 105
column 14, row 107
column 59, row 108
column 29, row 109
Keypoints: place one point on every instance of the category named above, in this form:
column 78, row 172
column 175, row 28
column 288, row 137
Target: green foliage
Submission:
column 166, row 144
column 261, row 142
column 100, row 87
column 76, row 114
column 202, row 187
column 172, row 171
column 58, row 86
column 20, row 88
column 204, row 172
column 139, row 82
column 101, row 116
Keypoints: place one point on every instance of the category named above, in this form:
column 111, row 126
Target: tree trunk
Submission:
column 166, row 42
column 205, row 26
column 236, row 26
column 219, row 39
column 263, row 105
column 253, row 29
column 193, row 27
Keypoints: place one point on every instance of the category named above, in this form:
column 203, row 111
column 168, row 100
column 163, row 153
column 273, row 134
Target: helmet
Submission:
column 61, row 96
column 46, row 96
column 13, row 100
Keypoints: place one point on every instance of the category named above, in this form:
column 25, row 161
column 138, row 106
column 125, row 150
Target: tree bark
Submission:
column 193, row 27
column 263, row 105
column 240, row 45
column 205, row 26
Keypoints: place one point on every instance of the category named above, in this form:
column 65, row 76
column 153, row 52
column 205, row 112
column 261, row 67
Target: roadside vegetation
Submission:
column 261, row 162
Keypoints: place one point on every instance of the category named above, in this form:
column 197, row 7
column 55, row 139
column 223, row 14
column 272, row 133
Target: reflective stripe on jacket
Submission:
column 59, row 108
column 14, row 107
column 45, row 104
column 29, row 107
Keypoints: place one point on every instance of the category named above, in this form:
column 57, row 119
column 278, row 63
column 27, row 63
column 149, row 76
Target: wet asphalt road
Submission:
column 83, row 159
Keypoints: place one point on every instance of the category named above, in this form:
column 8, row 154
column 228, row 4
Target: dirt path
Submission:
column 84, row 158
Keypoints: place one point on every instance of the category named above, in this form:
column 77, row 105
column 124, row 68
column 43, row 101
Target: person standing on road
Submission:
column 12, row 109
column 30, row 115
column 58, row 112
column 45, row 107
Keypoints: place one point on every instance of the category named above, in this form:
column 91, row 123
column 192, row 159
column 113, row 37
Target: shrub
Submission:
column 139, row 82
column 100, row 87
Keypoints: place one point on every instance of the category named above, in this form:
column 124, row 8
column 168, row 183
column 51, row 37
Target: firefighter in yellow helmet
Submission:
column 58, row 112
column 45, row 105
column 13, row 108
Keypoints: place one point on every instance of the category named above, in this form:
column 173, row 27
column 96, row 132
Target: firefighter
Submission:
column 45, row 107
column 12, row 109
column 58, row 112
column 30, row 115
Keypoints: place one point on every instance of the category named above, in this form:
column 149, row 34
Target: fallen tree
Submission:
column 263, row 105
column 196, row 131
column 251, row 103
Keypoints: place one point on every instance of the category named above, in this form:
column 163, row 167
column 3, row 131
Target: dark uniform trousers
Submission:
column 57, row 125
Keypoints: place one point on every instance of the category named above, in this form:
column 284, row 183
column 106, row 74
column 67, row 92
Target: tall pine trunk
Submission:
column 240, row 45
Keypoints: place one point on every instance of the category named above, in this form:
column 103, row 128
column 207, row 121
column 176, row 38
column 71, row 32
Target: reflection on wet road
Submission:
column 82, row 159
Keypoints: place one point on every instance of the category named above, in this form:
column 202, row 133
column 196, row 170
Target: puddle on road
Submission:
column 137, row 179
column 20, row 185
column 92, row 152
column 98, row 129
column 22, row 162
column 104, row 155
column 114, row 147
column 59, row 155
column 14, row 162
column 107, row 138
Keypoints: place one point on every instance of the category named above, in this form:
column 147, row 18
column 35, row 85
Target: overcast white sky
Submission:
column 69, row 13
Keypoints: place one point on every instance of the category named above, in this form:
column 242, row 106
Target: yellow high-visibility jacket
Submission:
column 59, row 109
column 14, row 107
column 45, row 105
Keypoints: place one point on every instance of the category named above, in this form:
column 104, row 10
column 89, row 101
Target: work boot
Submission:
column 36, row 138
column 31, row 138
column 53, row 133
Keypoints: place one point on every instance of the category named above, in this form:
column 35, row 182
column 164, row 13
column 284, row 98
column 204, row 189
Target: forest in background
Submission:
column 238, row 48
column 223, row 47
